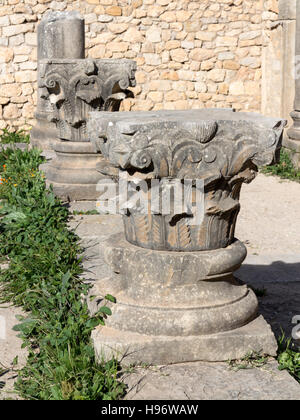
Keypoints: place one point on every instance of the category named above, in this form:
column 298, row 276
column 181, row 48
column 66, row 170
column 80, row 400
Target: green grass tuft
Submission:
column 43, row 278
column 250, row 360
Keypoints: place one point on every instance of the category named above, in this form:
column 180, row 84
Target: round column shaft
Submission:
column 60, row 35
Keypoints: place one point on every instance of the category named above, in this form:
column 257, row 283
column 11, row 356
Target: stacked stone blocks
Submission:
column 190, row 54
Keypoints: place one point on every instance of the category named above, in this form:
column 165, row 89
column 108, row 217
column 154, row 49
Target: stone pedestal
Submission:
column 179, row 306
column 177, row 299
column 73, row 172
column 60, row 35
column 292, row 140
column 278, row 84
column 74, row 88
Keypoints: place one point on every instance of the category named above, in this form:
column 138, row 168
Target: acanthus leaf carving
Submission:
column 76, row 87
column 183, row 145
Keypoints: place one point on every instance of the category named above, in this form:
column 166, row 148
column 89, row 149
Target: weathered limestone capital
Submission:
column 187, row 144
column 172, row 273
column 60, row 35
column 76, row 87
column 220, row 147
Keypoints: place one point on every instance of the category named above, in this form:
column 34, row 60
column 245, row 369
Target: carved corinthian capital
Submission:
column 221, row 148
column 76, row 87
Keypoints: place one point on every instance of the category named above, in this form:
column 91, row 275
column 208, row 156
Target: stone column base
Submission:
column 176, row 307
column 72, row 173
column 131, row 347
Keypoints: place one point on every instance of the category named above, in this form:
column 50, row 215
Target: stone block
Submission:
column 153, row 35
column 161, row 350
column 226, row 41
column 6, row 54
column 117, row 28
column 133, row 35
column 217, row 75
column 200, row 54
column 31, row 39
column 11, row 111
column 179, row 55
column 231, row 65
column 17, row 29
column 205, row 35
column 236, row 88
column 152, row 59
column 26, row 76
column 16, row 40
column 114, row 11
column 169, row 16
column 170, row 45
column 183, row 15
column 11, row 89
column 155, row 96
column 5, row 21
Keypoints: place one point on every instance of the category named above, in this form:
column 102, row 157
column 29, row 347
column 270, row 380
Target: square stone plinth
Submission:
column 256, row 336
column 200, row 381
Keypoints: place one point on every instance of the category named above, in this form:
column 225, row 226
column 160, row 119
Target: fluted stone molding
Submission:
column 177, row 297
column 74, row 88
column 60, row 35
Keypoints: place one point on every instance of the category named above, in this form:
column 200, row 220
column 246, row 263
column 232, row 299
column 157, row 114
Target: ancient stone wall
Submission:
column 190, row 54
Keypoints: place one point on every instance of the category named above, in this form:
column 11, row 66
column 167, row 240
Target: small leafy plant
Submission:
column 284, row 169
column 287, row 358
column 18, row 136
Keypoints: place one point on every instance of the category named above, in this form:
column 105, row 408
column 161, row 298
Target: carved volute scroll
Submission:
column 219, row 147
column 76, row 87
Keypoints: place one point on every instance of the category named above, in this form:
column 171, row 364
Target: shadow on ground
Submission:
column 281, row 300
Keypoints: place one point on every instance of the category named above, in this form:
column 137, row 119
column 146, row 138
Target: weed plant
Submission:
column 288, row 358
column 284, row 169
column 43, row 277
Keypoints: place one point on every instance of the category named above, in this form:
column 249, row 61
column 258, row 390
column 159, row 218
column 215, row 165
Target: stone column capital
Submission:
column 172, row 274
column 200, row 144
column 74, row 87
column 215, row 150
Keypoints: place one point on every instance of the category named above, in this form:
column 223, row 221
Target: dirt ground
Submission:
column 269, row 225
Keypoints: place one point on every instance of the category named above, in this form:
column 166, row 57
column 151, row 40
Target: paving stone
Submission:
column 211, row 381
